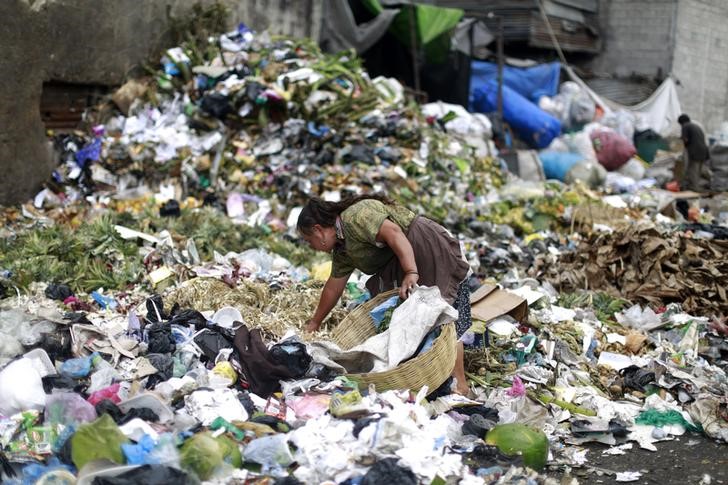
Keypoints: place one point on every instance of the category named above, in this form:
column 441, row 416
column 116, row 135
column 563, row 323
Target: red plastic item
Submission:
column 673, row 186
column 111, row 392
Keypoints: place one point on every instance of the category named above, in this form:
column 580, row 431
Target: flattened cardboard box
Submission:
column 489, row 302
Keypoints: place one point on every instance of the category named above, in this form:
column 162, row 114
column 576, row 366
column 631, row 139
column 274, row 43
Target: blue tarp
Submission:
column 529, row 82
column 532, row 125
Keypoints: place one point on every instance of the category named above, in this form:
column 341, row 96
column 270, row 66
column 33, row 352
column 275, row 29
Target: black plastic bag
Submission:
column 58, row 291
column 189, row 317
column 293, row 355
column 148, row 475
column 155, row 309
column 387, row 471
column 217, row 105
column 165, row 367
column 637, row 378
column 160, row 338
column 211, row 342
column 170, row 209
column 107, row 406
column 145, row 414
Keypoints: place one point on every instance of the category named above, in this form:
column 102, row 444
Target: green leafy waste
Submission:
column 94, row 256
column 603, row 304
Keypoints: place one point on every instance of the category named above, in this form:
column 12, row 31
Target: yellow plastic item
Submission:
column 321, row 271
column 225, row 369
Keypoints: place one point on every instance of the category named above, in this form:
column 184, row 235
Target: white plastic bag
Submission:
column 21, row 388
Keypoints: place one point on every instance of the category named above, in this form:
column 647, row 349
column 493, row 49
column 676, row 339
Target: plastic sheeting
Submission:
column 658, row 112
column 529, row 82
column 430, row 21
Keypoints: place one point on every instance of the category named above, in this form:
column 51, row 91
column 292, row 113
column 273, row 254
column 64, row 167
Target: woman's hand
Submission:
column 408, row 284
column 312, row 325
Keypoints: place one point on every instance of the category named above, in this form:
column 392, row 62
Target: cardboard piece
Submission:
column 489, row 302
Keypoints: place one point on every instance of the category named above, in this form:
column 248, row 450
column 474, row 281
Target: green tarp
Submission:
column 430, row 24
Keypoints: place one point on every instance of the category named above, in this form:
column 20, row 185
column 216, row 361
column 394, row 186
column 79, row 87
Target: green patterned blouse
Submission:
column 360, row 249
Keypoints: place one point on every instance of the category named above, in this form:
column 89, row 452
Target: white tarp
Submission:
column 659, row 112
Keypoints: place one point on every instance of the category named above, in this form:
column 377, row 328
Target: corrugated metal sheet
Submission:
column 623, row 91
column 576, row 26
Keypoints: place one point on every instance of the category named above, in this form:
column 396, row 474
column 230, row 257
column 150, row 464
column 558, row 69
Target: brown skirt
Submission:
column 437, row 255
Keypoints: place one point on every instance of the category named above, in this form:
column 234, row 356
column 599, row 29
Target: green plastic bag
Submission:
column 514, row 439
column 100, row 439
column 203, row 453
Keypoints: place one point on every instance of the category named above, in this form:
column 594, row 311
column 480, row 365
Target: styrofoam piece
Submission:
column 226, row 317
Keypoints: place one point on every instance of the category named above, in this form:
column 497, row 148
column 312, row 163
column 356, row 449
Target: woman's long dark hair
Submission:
column 323, row 213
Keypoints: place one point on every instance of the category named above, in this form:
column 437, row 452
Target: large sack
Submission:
column 613, row 150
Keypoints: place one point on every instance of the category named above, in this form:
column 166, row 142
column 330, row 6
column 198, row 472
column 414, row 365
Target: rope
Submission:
column 554, row 40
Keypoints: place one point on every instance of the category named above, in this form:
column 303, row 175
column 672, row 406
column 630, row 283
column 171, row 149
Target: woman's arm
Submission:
column 330, row 295
column 391, row 234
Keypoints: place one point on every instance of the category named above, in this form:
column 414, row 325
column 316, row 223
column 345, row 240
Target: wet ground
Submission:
column 684, row 460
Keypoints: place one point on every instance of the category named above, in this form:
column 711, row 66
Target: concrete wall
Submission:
column 93, row 42
column 638, row 36
column 700, row 62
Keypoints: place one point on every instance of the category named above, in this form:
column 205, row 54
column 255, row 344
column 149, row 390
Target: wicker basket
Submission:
column 429, row 369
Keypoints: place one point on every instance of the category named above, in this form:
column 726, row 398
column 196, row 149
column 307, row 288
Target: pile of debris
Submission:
column 645, row 263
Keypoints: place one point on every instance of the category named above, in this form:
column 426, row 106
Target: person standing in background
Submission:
column 697, row 153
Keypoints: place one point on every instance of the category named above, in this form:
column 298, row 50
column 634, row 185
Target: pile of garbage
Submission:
column 267, row 122
column 153, row 296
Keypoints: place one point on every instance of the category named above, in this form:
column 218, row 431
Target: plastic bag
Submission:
column 639, row 319
column 271, row 452
column 620, row 121
column 581, row 110
column 101, row 439
column 58, row 291
column 160, row 339
column 633, row 168
column 79, row 367
column 557, row 164
column 111, row 393
column 203, row 454
column 589, row 173
column 387, row 471
column 613, row 150
column 378, row 312
column 102, row 377
column 581, row 143
column 68, row 408
column 33, row 473
column 10, row 347
column 150, row 452
column 293, row 355
column 148, row 475
column 21, row 388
